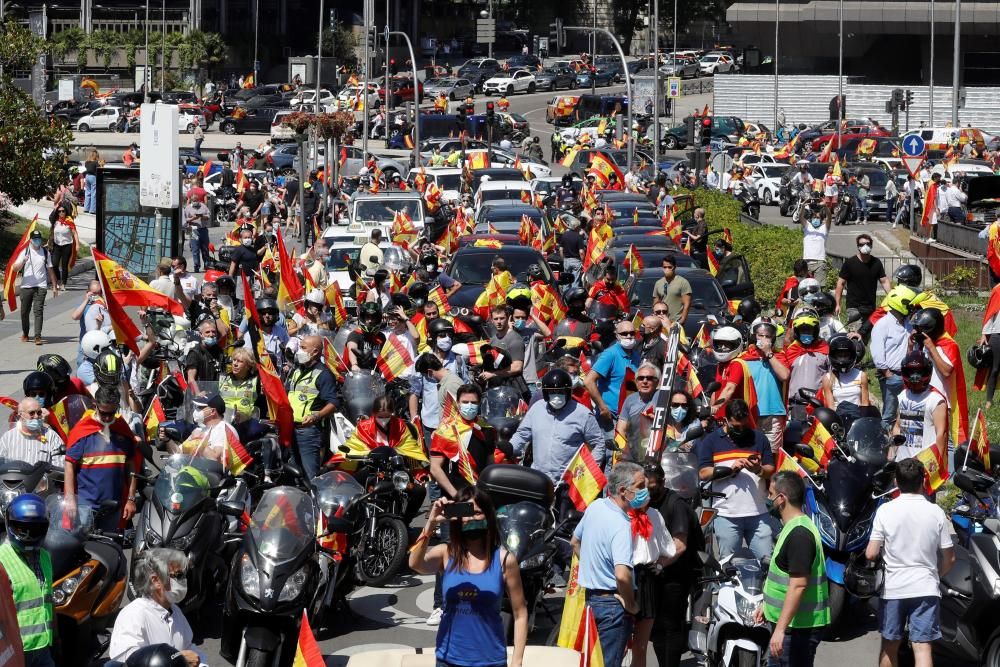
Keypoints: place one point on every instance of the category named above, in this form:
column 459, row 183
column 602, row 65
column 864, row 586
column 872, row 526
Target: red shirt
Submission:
column 726, row 373
column 611, row 295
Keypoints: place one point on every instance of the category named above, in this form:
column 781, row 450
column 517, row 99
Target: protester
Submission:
column 63, row 243
column 313, row 398
column 35, row 267
column 31, row 439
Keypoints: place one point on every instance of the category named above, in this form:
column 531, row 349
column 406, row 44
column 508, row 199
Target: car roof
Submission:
column 388, row 195
column 503, row 185
column 510, row 249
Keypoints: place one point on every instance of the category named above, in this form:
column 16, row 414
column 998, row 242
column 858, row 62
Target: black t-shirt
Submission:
column 228, row 178
column 369, row 347
column 572, row 244
column 861, row 279
column 291, row 189
column 252, row 200
column 655, row 353
column 797, row 552
column 680, row 519
column 91, row 166
column 246, row 260
column 208, row 362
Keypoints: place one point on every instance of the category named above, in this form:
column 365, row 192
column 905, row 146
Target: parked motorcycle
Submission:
column 747, row 196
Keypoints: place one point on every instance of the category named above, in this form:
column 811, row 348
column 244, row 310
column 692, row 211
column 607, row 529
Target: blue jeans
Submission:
column 891, row 388
column 921, row 615
column 614, row 627
column 731, row 532
column 799, row 648
column 199, row 247
column 308, row 445
column 90, row 193
column 197, row 147
column 862, row 208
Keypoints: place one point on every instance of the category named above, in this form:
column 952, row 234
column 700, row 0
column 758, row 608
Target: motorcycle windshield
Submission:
column 573, row 328
column 361, row 388
column 868, row 441
column 522, row 525
column 199, row 389
column 334, row 492
column 847, row 489
column 680, row 473
column 283, row 524
column 637, row 436
column 66, row 534
column 501, row 404
column 751, row 575
column 185, row 482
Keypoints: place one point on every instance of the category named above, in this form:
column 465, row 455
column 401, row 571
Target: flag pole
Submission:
column 972, row 438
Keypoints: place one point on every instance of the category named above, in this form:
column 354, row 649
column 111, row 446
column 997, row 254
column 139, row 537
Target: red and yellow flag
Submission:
column 404, row 232
column 671, row 225
column 334, row 361
column 338, row 308
column 583, row 478
column 603, row 168
column 9, row 275
column 439, row 296
column 633, row 260
column 588, row 643
column 290, row 290
column 394, row 359
column 307, row 653
column 980, row 442
column 478, row 160
column 713, row 264
column 825, row 155
column 237, row 457
column 154, row 417
column 930, row 205
column 936, row 466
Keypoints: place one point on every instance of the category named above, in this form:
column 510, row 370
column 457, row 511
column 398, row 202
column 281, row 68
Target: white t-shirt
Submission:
column 916, row 421
column 912, row 530
column 62, row 234
column 814, row 242
column 659, row 543
column 190, row 285
column 35, row 272
column 939, row 381
column 211, row 442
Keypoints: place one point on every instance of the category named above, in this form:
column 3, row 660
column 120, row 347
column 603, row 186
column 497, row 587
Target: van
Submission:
column 939, row 138
column 599, row 105
column 381, row 209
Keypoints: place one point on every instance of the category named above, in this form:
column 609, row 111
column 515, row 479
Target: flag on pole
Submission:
column 980, row 442
column 583, row 478
column 307, row 653
column 154, row 417
column 9, row 274
column 394, row 359
column 588, row 643
column 936, row 467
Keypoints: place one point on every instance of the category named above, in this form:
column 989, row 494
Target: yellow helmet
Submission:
column 805, row 319
column 900, row 298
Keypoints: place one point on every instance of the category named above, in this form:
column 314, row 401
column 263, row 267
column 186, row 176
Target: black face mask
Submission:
column 738, row 433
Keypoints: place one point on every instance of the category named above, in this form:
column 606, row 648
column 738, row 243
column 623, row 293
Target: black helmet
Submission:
column 370, row 315
column 916, row 371
column 576, row 299
column 226, row 282
column 555, row 382
column 909, row 275
column 429, row 260
column 980, row 356
column 108, row 367
column 418, row 294
column 400, row 299
column 267, row 303
column 157, row 655
column 929, row 321
column 535, row 273
column 37, row 382
column 748, row 310
column 824, row 303
column 440, row 327
column 843, row 353
column 567, row 180
column 864, row 578
column 56, row 368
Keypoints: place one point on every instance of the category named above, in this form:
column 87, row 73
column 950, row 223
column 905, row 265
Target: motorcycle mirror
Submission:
column 293, row 470
column 230, row 508
column 721, row 472
column 694, row 433
column 728, row 282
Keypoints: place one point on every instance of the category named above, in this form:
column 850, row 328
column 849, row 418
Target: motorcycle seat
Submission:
column 112, row 558
column 960, row 577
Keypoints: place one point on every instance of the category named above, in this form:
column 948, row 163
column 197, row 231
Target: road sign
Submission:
column 486, row 31
column 914, row 146
column 674, row 87
column 913, row 163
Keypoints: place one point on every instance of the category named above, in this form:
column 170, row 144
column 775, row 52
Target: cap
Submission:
column 213, row 401
column 36, row 234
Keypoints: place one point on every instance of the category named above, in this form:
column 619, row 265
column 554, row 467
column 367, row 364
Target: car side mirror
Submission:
column 728, row 282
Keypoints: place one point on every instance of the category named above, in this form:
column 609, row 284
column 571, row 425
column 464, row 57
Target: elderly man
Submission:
column 31, row 440
column 153, row 617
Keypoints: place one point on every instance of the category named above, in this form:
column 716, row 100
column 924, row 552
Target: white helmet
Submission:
column 506, row 145
column 316, row 296
column 727, row 343
column 93, row 343
column 808, row 286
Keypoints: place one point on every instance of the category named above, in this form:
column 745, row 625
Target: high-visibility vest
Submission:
column 302, row 392
column 239, row 396
column 33, row 599
column 814, row 608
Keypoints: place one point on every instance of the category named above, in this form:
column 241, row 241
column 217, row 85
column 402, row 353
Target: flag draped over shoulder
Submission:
column 279, row 408
column 9, row 275
column 930, row 205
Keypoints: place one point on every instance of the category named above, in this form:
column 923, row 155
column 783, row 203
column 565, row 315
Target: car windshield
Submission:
column 379, row 210
column 449, row 181
column 340, row 259
column 704, row 289
column 474, row 268
column 495, row 195
column 439, row 82
column 876, row 177
column 773, row 171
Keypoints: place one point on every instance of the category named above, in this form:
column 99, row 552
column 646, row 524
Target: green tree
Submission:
column 32, row 151
column 340, row 44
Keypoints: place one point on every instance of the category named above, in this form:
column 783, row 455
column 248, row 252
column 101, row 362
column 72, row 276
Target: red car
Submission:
column 848, row 133
column 402, row 90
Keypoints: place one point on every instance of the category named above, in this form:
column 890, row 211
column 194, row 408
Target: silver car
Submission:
column 452, row 87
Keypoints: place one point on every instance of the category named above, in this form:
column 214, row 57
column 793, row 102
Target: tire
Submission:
column 768, row 198
column 256, row 658
column 452, row 97
column 743, row 658
column 83, row 127
column 670, row 142
column 991, row 656
column 783, row 210
column 838, row 600
column 531, row 88
column 377, row 567
column 228, row 128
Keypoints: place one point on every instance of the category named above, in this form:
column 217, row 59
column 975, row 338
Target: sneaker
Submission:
column 435, row 618
column 38, row 340
column 24, row 338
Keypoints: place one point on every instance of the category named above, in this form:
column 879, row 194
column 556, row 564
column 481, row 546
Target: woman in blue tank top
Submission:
column 474, row 570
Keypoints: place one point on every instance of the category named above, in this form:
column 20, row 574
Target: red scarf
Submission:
column 641, row 525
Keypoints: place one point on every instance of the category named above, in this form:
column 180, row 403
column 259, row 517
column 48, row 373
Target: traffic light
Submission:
column 691, row 128
column 909, row 98
column 706, row 131
column 372, row 37
column 393, row 69
column 490, row 113
column 898, row 98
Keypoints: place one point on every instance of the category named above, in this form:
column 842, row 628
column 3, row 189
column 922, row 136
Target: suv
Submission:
column 478, row 70
column 508, row 83
column 254, row 119
column 99, row 119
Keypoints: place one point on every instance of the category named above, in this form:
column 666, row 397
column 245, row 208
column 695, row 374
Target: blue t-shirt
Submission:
column 605, row 535
column 471, row 632
column 611, row 367
column 768, row 388
column 101, row 474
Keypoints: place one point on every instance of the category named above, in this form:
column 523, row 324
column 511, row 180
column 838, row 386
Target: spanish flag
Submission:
column 58, row 419
column 993, row 249
column 237, row 457
column 671, row 225
column 307, row 653
column 493, row 294
column 279, row 408
column 825, row 155
column 335, row 300
column 290, row 290
column 936, row 465
column 603, row 169
column 573, row 607
column 440, row 297
column 334, row 361
column 980, row 442
column 478, row 160
column 713, row 264
column 958, row 403
column 394, row 359
column 992, row 308
column 205, row 169
column 9, row 275
column 787, row 463
column 822, row 444
column 583, row 478
column 567, row 160
column 588, row 643
column 930, row 205
column 404, row 233
column 154, row 417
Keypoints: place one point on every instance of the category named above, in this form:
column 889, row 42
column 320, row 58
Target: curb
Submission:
column 82, row 266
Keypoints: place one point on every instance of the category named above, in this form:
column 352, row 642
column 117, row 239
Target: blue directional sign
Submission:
column 913, row 145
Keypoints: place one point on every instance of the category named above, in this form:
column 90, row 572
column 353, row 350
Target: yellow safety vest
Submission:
column 238, row 395
column 302, row 392
column 33, row 599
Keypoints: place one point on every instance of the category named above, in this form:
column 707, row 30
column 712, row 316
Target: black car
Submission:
column 254, row 119
column 554, row 78
column 599, row 78
column 478, row 70
column 652, row 258
column 471, row 267
column 271, row 100
column 527, row 62
column 69, row 113
column 878, row 178
column 707, row 295
column 179, row 97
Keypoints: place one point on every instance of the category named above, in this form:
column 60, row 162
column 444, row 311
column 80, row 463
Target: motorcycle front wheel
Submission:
column 838, row 598
column 258, row 658
column 384, row 553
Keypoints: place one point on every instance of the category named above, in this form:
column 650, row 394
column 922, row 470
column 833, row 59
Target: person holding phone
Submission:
column 475, row 571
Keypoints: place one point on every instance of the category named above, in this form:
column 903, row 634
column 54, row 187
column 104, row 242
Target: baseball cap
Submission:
column 213, row 401
column 36, row 234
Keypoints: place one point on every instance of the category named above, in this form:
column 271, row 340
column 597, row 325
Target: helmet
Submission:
column 439, row 327
column 899, row 299
column 27, row 521
column 556, row 381
column 93, row 342
column 316, row 296
column 226, row 282
column 808, row 286
column 824, row 303
column 400, row 299
column 748, row 309
column 157, row 655
column 108, row 367
column 418, row 294
column 37, row 382
column 909, row 275
column 727, row 343
column 916, row 372
column 519, row 296
column 805, row 318
column 370, row 315
column 765, row 326
column 429, row 260
column 535, row 273
column 576, row 299
column 567, row 180
column 863, row 578
column 843, row 353
column 929, row 321
column 56, row 368
column 980, row 356
column 267, row 303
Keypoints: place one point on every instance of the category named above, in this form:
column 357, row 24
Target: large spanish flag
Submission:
column 583, row 478
column 936, row 464
column 958, row 402
column 602, row 168
column 394, row 359
column 128, row 290
column 290, row 290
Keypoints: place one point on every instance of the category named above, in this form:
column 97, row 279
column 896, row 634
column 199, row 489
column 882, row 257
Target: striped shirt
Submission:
column 17, row 445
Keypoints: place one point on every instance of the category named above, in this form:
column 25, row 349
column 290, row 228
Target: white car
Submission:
column 512, row 191
column 767, row 179
column 570, row 134
column 212, row 181
column 716, row 63
column 187, row 119
column 349, row 94
column 308, row 98
column 504, row 158
column 447, row 179
column 280, row 132
column 99, row 119
column 508, row 83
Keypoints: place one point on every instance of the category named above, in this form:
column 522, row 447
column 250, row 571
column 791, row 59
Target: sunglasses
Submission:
column 660, row 312
column 646, row 378
column 627, row 334
column 33, row 413
column 678, row 405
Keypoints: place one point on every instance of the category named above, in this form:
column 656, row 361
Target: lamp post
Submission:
column 593, row 59
column 930, row 83
column 956, row 59
column 673, row 61
column 163, row 44
column 777, row 19
column 416, row 103
column 146, row 78
column 489, row 45
column 656, row 83
column 840, row 70
column 256, row 30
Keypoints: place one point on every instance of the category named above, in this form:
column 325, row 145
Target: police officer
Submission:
column 29, row 568
column 796, row 601
column 312, row 393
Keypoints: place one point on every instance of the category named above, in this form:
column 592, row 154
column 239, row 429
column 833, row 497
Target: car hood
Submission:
column 983, row 187
column 465, row 297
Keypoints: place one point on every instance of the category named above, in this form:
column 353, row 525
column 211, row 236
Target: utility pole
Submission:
column 956, row 71
column 656, row 84
column 930, row 86
column 593, row 60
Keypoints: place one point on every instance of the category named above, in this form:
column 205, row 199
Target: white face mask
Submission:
column 866, row 249
column 303, row 357
column 557, row 401
column 199, row 417
column 444, row 343
column 627, row 343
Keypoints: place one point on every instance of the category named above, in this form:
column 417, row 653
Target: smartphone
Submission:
column 458, row 510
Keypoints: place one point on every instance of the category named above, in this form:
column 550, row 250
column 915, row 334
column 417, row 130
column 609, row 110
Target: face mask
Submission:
column 210, row 341
column 717, row 252
column 40, row 399
column 519, row 324
column 178, row 589
column 640, row 499
column 303, row 357
column 865, row 249
column 444, row 343
column 557, row 402
column 474, row 529
column 627, row 343
column 34, row 425
column 772, row 509
column 199, row 417
column 737, row 432
column 430, row 268
column 469, row 411
column 763, row 341
column 678, row 414
column 36, row 242
column 807, row 339
column 816, row 223
column 247, row 242
column 101, row 419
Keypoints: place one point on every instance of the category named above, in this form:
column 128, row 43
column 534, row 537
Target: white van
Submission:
column 939, row 138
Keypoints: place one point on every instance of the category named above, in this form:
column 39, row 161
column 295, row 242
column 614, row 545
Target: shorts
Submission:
column 922, row 615
column 830, row 200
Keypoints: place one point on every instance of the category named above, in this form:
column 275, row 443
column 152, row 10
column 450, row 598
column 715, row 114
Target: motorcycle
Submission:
column 89, row 575
column 226, row 207
column 800, row 202
column 747, row 196
column 503, row 409
column 358, row 394
column 846, row 208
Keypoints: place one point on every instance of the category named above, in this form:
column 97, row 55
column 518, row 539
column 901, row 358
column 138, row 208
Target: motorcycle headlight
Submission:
column 293, row 585
column 400, row 480
column 249, row 578
column 858, row 534
column 747, row 609
column 533, row 561
column 827, row 526
column 182, row 543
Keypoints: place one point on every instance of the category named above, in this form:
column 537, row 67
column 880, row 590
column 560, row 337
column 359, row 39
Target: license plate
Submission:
column 350, row 303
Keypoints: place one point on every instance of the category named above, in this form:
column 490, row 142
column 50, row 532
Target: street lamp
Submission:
column 776, row 43
column 930, row 83
column 840, row 71
column 955, row 70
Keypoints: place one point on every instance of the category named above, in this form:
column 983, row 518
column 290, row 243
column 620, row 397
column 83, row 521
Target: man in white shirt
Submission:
column 31, row 440
column 914, row 538
column 153, row 617
column 189, row 283
column 815, row 231
column 35, row 267
column 890, row 337
column 210, row 440
column 954, row 203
